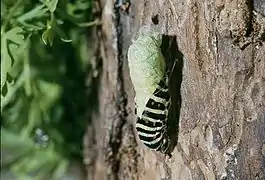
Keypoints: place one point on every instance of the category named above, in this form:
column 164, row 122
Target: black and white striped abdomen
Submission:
column 152, row 126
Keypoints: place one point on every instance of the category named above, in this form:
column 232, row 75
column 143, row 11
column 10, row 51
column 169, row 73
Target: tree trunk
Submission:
column 218, row 90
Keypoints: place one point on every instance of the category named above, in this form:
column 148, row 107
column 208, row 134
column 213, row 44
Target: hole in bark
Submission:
column 174, row 61
column 249, row 27
column 155, row 19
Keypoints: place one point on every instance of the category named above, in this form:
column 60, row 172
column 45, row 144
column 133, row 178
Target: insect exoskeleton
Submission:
column 148, row 75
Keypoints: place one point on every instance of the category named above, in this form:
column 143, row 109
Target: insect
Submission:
column 148, row 75
column 123, row 5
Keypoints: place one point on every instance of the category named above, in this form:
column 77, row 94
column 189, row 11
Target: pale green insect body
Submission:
column 147, row 67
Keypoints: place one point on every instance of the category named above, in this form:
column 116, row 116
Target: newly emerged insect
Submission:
column 148, row 75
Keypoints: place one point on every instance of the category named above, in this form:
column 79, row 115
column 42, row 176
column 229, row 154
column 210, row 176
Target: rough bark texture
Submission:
column 218, row 87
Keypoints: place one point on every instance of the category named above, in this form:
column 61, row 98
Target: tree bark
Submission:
column 218, row 90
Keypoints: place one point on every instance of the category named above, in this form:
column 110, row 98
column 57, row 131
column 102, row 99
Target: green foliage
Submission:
column 30, row 158
column 43, row 62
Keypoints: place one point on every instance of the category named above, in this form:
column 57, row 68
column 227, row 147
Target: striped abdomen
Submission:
column 152, row 126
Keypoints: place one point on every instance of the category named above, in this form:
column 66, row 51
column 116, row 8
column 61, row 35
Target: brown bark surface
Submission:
column 218, row 87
